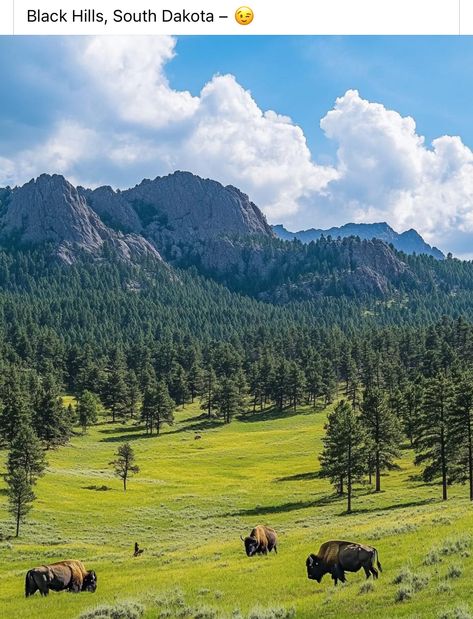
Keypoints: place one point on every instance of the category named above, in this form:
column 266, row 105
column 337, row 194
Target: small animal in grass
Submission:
column 336, row 558
column 138, row 551
column 260, row 541
column 197, row 437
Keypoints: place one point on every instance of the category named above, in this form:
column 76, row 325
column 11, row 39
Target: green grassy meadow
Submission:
column 193, row 498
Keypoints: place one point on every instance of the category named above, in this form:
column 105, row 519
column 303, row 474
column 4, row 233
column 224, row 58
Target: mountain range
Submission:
column 183, row 221
column 409, row 242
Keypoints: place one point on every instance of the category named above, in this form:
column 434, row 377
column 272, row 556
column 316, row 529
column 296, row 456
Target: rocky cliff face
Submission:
column 195, row 222
column 409, row 242
column 50, row 210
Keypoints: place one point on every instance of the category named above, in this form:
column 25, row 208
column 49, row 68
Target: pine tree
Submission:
column 115, row 395
column 164, row 406
column 195, row 380
column 179, row 390
column 14, row 409
column 344, row 456
column 88, row 406
column 432, row 442
column 461, row 435
column 383, row 430
column 295, row 384
column 26, row 454
column 157, row 407
column 209, row 390
column 124, row 464
column 411, row 405
column 280, row 384
column 133, row 394
column 50, row 419
column 228, row 399
column 20, row 496
column 313, row 377
column 329, row 382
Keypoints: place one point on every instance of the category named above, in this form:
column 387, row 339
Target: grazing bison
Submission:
column 260, row 541
column 336, row 558
column 69, row 575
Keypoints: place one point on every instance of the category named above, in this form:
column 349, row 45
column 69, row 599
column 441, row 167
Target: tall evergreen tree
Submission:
column 157, row 407
column 195, row 380
column 383, row 430
column 461, row 435
column 88, row 405
column 432, row 443
column 228, row 399
column 15, row 408
column 344, row 456
column 210, row 388
column 51, row 421
column 26, row 454
column 295, row 384
column 115, row 395
column 20, row 496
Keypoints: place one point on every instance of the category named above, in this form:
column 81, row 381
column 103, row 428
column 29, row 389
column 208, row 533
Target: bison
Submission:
column 260, row 541
column 336, row 558
column 69, row 575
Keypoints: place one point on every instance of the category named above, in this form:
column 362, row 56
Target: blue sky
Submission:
column 114, row 110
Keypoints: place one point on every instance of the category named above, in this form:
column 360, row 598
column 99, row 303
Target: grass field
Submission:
column 191, row 501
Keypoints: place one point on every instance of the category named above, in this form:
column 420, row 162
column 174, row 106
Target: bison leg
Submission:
column 30, row 585
column 276, row 549
column 374, row 571
column 367, row 571
column 74, row 587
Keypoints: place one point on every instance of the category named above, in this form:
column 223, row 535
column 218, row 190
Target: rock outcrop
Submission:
column 51, row 210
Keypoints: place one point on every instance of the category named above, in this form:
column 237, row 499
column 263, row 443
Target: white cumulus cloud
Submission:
column 131, row 123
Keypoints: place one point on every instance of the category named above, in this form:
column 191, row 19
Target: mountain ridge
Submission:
column 409, row 241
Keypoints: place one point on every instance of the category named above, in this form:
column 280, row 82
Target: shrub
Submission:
column 367, row 587
column 411, row 582
column 124, row 610
column 403, row 593
column 459, row 612
column 206, row 612
column 451, row 546
column 271, row 613
column 444, row 587
column 454, row 571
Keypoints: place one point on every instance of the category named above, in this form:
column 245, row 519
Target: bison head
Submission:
column 90, row 582
column 251, row 545
column 315, row 570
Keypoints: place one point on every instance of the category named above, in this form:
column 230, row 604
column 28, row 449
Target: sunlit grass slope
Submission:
column 193, row 498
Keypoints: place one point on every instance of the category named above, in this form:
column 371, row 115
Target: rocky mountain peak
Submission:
column 50, row 209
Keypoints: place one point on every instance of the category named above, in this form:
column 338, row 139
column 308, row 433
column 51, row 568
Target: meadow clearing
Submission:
column 191, row 501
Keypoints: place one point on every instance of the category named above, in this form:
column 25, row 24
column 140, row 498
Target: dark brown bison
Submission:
column 336, row 558
column 260, row 541
column 69, row 575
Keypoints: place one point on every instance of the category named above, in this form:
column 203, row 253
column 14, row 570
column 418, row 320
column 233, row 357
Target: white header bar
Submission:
column 76, row 17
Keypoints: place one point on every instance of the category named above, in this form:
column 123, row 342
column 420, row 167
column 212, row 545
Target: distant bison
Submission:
column 260, row 541
column 336, row 558
column 69, row 575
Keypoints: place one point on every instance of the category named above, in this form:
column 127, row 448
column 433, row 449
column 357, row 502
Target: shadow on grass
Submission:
column 97, row 488
column 270, row 414
column 323, row 501
column 285, row 507
column 127, row 438
column 299, row 477
column 392, row 507
column 123, row 428
column 197, row 424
